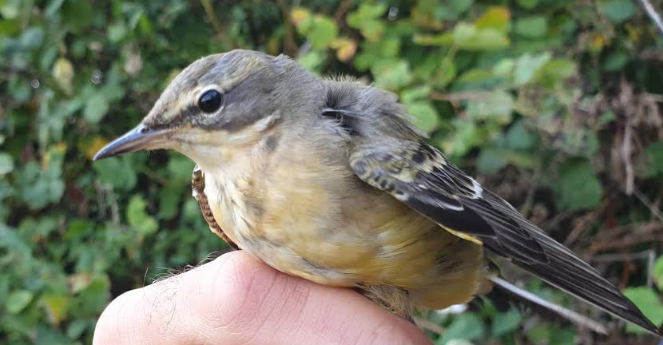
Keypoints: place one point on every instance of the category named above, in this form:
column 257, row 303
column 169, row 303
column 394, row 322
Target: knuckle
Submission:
column 112, row 325
column 228, row 292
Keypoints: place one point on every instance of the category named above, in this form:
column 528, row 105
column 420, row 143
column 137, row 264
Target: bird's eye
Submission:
column 210, row 101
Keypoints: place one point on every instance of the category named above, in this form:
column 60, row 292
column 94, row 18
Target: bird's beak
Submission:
column 140, row 138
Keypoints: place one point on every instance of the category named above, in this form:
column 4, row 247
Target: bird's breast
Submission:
column 308, row 215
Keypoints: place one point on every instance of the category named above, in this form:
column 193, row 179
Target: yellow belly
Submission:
column 337, row 231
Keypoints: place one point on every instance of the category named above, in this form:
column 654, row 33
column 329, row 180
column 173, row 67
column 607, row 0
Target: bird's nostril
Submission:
column 144, row 130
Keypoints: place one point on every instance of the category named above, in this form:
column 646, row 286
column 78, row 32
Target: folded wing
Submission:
column 420, row 176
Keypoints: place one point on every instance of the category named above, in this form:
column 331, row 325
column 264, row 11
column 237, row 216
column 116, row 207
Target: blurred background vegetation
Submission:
column 554, row 104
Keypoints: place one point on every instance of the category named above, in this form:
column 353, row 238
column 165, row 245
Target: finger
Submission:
column 237, row 299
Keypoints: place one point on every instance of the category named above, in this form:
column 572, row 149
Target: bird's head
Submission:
column 220, row 101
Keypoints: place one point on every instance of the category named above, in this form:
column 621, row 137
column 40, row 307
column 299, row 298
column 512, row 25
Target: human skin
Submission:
column 237, row 299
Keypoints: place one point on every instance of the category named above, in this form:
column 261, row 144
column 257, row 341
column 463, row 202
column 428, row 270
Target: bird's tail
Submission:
column 539, row 304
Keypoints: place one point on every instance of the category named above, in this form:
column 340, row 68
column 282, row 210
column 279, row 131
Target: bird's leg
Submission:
column 198, row 191
column 391, row 298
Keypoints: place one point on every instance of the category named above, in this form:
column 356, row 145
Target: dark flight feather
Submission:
column 420, row 176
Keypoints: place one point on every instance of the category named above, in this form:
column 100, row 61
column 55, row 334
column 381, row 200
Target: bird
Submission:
column 328, row 179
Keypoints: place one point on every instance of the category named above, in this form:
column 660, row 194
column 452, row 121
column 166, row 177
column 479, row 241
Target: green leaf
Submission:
column 469, row 37
column 95, row 108
column 6, row 163
column 10, row 9
column 117, row 172
column 459, row 342
column 425, row 115
column 527, row 67
column 504, row 68
column 116, row 32
column 138, row 218
column 95, row 296
column 615, row 61
column 562, row 337
column 497, row 106
column 506, row 322
column 77, row 327
column 63, row 72
column 78, row 14
column 32, row 38
column 53, row 8
column 391, row 74
column 113, row 89
column 528, row 4
column 578, row 188
column 658, row 273
column 446, row 73
column 323, row 32
column 56, row 305
column 580, row 142
column 41, row 185
column 38, row 228
column 465, row 326
column 648, row 302
column 9, row 27
column 475, row 78
column 496, row 18
column 451, row 9
column 180, row 168
column 606, row 118
column 312, row 60
column 169, row 200
column 366, row 11
column 18, row 300
column 532, row 27
column 617, row 11
column 372, row 30
column 434, row 40
column 490, row 161
column 51, row 336
column 464, row 137
column 654, row 154
column 556, row 71
column 77, row 228
column 366, row 20
column 539, row 333
column 519, row 138
column 412, row 94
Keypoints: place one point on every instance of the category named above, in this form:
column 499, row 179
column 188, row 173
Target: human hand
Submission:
column 237, row 299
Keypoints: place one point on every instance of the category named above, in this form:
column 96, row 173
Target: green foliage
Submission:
column 617, row 11
column 533, row 95
column 654, row 154
column 648, row 301
column 367, row 19
column 504, row 323
column 658, row 272
column 578, row 188
column 464, row 327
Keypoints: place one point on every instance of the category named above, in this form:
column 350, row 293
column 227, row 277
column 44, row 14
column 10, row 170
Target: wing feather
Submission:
column 420, row 176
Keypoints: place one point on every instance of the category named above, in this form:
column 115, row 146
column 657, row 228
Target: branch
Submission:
column 211, row 16
column 653, row 15
column 289, row 44
column 626, row 236
column 652, row 208
column 461, row 96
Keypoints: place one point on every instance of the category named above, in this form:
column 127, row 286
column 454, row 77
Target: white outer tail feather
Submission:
column 568, row 314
